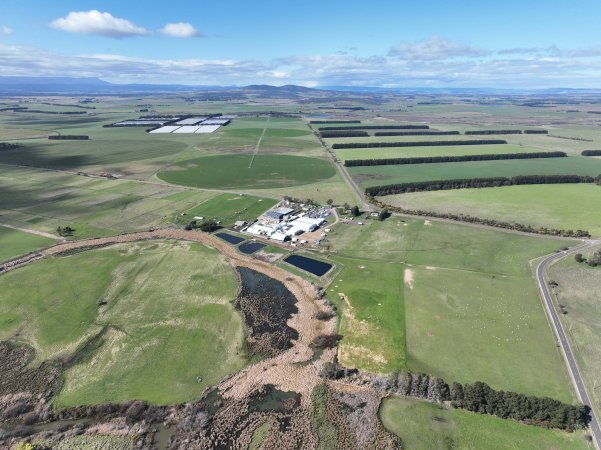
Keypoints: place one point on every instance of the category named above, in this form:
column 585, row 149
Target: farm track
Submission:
column 566, row 348
column 258, row 146
column 289, row 371
column 36, row 232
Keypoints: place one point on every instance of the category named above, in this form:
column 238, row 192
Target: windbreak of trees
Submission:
column 377, row 127
column 445, row 159
column 536, row 132
column 591, row 153
column 341, row 134
column 416, row 133
column 318, row 122
column 8, row 146
column 477, row 132
column 417, row 144
column 483, row 221
column 463, row 183
column 593, row 261
column 69, row 137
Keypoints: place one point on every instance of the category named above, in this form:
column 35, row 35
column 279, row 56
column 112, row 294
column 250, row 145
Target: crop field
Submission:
column 427, row 426
column 167, row 331
column 369, row 295
column 15, row 243
column 236, row 171
column 413, row 152
column 381, row 175
column 579, row 290
column 228, row 208
column 44, row 200
column 562, row 206
column 472, row 312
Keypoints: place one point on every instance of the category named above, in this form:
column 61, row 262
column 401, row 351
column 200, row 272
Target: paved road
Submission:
column 561, row 336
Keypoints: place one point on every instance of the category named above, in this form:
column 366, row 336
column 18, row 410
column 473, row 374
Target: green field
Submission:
column 415, row 152
column 228, row 208
column 579, row 290
column 15, row 243
column 381, row 175
column 427, row 426
column 564, row 206
column 472, row 312
column 168, row 320
column 369, row 295
column 233, row 171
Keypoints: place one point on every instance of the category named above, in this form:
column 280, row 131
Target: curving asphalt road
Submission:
column 561, row 336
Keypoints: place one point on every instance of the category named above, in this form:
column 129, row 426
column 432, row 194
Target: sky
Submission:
column 426, row 43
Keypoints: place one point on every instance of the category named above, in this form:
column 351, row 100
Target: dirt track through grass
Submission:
column 258, row 146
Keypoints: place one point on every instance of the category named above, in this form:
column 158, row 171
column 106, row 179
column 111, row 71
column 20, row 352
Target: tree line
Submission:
column 593, row 261
column 483, row 221
column 463, row 183
column 477, row 132
column 591, row 153
column 417, row 144
column 416, row 133
column 536, row 132
column 69, row 137
column 320, row 122
column 341, row 134
column 377, row 127
column 8, row 146
column 445, row 159
column 477, row 397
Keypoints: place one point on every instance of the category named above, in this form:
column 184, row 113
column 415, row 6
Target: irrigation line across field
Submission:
column 259, row 142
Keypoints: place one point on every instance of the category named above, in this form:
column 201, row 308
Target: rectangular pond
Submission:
column 250, row 247
column 311, row 265
column 230, row 238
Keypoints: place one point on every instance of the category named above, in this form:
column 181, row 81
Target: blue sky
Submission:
column 379, row 43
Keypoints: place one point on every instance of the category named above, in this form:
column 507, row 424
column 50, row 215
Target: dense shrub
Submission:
column 444, row 159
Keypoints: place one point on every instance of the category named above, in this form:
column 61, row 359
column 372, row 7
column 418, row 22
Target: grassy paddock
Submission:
column 228, row 208
column 427, row 426
column 170, row 329
column 568, row 206
column 14, row 243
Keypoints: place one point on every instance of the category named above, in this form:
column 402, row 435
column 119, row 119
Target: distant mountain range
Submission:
column 14, row 85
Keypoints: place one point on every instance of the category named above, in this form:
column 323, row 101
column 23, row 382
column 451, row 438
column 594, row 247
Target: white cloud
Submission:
column 98, row 23
column 435, row 48
column 5, row 31
column 181, row 30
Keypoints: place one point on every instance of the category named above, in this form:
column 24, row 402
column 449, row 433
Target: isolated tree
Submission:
column 355, row 211
column 578, row 257
column 209, row 226
column 330, row 201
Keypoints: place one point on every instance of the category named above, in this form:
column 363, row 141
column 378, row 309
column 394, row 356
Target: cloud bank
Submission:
column 98, row 23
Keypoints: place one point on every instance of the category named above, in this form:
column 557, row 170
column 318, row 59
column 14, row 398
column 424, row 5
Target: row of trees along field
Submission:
column 464, row 183
column 417, row 144
column 484, row 132
column 325, row 122
column 477, row 397
column 591, row 153
column 445, row 159
column 8, row 146
column 377, row 127
column 340, row 134
column 69, row 137
column 483, row 221
column 593, row 261
column 416, row 133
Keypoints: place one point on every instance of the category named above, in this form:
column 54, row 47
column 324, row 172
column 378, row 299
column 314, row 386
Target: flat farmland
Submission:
column 472, row 312
column 167, row 322
column 579, row 290
column 237, row 172
column 382, row 175
column 414, row 152
column 562, row 206
column 228, row 208
column 427, row 426
column 14, row 243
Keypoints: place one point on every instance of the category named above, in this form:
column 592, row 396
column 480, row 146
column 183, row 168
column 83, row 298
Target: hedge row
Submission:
column 415, row 133
column 319, row 122
column 377, row 127
column 536, row 131
column 441, row 185
column 341, row 134
column 417, row 144
column 445, row 159
column 69, row 137
column 8, row 146
column 591, row 153
column 482, row 221
column 476, row 132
